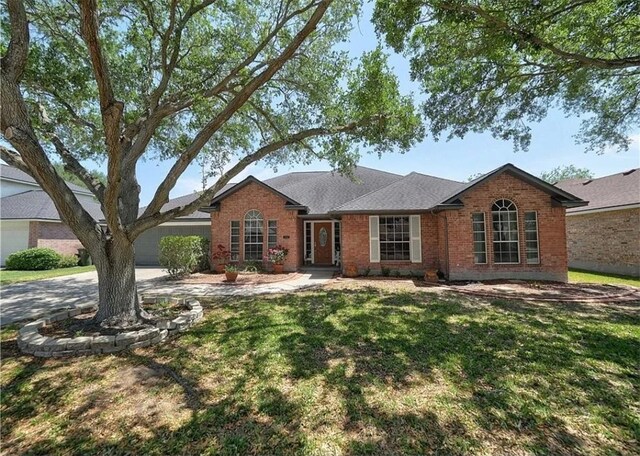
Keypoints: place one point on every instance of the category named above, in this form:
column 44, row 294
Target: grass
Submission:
column 345, row 372
column 578, row 276
column 9, row 277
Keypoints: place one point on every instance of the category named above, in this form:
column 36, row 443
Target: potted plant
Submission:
column 220, row 258
column 231, row 272
column 276, row 256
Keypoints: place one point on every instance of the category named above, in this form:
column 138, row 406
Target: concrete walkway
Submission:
column 308, row 279
column 29, row 300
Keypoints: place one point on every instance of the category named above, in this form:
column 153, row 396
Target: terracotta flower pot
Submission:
column 278, row 268
column 219, row 268
column 231, row 276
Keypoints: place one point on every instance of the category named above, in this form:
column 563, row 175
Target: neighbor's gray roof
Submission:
column 415, row 191
column 621, row 189
column 186, row 199
column 9, row 172
column 36, row 204
column 322, row 191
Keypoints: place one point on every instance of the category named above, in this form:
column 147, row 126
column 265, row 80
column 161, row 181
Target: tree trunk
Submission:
column 118, row 304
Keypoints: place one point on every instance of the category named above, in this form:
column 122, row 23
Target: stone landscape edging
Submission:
column 30, row 340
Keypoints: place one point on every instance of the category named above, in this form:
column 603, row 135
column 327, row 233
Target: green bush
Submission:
column 181, row 255
column 35, row 259
column 203, row 261
column 68, row 261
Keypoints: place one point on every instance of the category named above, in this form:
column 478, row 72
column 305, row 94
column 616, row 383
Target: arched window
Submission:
column 505, row 232
column 253, row 236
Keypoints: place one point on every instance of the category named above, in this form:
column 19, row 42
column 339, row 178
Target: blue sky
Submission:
column 552, row 145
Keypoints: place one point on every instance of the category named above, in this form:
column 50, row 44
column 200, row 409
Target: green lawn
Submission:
column 345, row 372
column 577, row 276
column 8, row 277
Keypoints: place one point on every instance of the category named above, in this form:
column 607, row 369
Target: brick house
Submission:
column 504, row 224
column 28, row 217
column 604, row 236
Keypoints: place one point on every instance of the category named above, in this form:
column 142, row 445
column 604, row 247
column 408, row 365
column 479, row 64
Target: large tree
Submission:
column 240, row 81
column 566, row 172
column 499, row 65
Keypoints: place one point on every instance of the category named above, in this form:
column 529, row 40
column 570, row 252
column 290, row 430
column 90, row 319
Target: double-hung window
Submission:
column 479, row 238
column 253, row 236
column 506, row 248
column 272, row 239
column 234, row 242
column 395, row 239
column 531, row 237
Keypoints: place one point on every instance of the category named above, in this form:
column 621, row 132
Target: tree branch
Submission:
column 528, row 37
column 111, row 111
column 162, row 193
column 15, row 60
column 150, row 219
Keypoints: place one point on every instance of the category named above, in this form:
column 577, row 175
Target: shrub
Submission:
column 68, row 261
column 386, row 272
column 203, row 261
column 181, row 255
column 35, row 259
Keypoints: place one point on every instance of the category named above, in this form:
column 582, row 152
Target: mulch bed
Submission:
column 545, row 291
column 500, row 289
column 83, row 325
column 244, row 278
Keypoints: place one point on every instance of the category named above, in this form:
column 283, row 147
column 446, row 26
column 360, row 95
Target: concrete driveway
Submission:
column 29, row 300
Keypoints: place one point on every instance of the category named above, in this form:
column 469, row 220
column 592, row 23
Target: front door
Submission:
column 322, row 253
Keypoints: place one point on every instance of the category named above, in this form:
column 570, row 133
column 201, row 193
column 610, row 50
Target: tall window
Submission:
column 253, row 236
column 395, row 239
column 479, row 239
column 234, row 242
column 272, row 239
column 505, row 232
column 531, row 237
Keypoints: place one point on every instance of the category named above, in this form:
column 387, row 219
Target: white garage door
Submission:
column 147, row 244
column 14, row 236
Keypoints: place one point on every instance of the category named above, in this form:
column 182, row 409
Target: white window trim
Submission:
column 537, row 238
column 517, row 232
column 473, row 232
column 374, row 220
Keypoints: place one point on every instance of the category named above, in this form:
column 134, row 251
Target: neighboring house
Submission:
column 604, row 236
column 504, row 224
column 28, row 217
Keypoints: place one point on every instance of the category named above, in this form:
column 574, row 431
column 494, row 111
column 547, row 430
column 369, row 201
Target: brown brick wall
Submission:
column 551, row 232
column 447, row 240
column 56, row 236
column 605, row 241
column 355, row 245
column 271, row 205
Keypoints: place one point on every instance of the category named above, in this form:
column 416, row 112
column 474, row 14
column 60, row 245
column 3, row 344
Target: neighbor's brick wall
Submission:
column 255, row 196
column 605, row 241
column 355, row 245
column 56, row 236
column 551, row 233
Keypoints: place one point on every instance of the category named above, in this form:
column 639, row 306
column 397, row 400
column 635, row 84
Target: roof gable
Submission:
column 289, row 202
column 560, row 196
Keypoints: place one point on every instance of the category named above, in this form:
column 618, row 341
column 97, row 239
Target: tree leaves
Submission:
column 499, row 65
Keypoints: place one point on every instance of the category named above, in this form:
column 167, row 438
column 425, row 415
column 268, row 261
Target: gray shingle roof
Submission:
column 413, row 192
column 9, row 172
column 36, row 204
column 186, row 199
column 322, row 191
column 616, row 190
